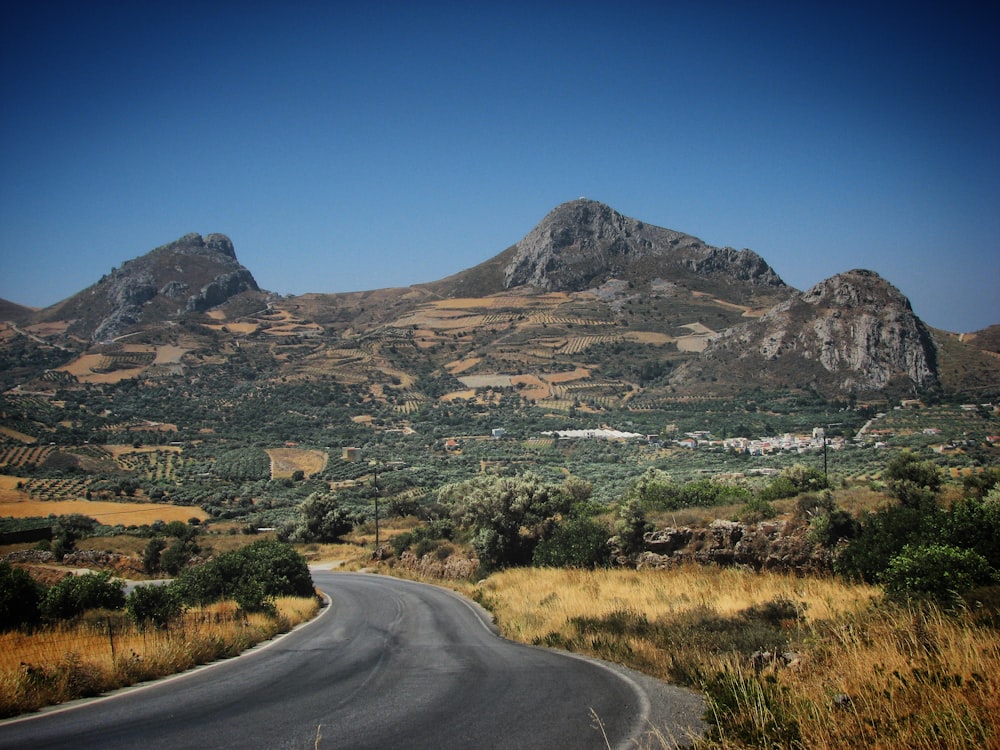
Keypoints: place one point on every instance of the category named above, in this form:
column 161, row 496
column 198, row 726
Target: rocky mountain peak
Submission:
column 584, row 243
column 190, row 274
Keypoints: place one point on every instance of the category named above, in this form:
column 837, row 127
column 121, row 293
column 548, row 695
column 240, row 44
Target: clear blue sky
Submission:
column 349, row 146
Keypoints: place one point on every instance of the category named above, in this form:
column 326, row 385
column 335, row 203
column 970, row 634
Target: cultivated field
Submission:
column 112, row 514
column 286, row 461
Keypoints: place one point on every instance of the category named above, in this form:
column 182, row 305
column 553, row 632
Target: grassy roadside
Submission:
column 103, row 651
column 785, row 662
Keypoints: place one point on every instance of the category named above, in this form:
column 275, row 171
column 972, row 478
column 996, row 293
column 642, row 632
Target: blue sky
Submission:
column 356, row 146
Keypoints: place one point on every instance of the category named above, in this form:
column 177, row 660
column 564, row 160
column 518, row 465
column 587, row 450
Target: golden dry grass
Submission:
column 104, row 652
column 286, row 461
column 537, row 601
column 869, row 673
column 127, row 514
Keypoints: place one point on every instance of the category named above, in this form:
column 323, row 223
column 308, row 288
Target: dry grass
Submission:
column 286, row 461
column 865, row 673
column 104, row 651
column 127, row 514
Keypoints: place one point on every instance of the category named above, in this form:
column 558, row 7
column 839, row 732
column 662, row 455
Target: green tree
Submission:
column 74, row 595
column 20, row 598
column 152, row 604
column 508, row 516
column 631, row 527
column 913, row 481
column 323, row 520
column 654, row 489
column 577, row 542
column 939, row 571
column 151, row 555
column 251, row 575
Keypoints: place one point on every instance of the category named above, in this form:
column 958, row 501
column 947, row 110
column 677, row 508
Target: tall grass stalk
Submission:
column 104, row 651
column 784, row 661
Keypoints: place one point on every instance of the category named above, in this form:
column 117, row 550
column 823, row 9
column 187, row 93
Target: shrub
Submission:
column 74, row 595
column 939, row 571
column 323, row 518
column 151, row 555
column 912, row 481
column 20, row 598
column 153, row 604
column 631, row 527
column 574, row 543
column 251, row 575
column 757, row 509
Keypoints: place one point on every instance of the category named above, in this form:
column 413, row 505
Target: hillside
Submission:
column 192, row 274
column 591, row 308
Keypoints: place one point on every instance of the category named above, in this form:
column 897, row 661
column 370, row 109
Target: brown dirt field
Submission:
column 286, row 461
column 650, row 337
column 236, row 327
column 462, row 365
column 534, row 388
column 127, row 514
column 692, row 343
column 8, row 489
column 580, row 373
column 698, row 328
column 466, row 303
column 19, row 436
column 82, row 369
column 49, row 329
column 455, row 395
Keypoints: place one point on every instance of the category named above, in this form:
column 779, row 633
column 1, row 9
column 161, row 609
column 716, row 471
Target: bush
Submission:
column 74, row 595
column 914, row 482
column 251, row 575
column 323, row 518
column 20, row 598
column 153, row 604
column 883, row 535
column 574, row 543
column 757, row 509
column 631, row 528
column 939, row 571
column 151, row 555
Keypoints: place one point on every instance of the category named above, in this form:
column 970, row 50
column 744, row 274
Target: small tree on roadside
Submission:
column 20, row 598
column 631, row 527
column 323, row 520
column 153, row 604
column 913, row 481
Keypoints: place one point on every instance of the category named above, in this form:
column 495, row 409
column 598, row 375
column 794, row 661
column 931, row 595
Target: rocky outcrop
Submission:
column 763, row 546
column 454, row 567
column 852, row 333
column 220, row 289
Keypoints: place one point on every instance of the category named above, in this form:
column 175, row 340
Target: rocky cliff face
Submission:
column 583, row 243
column 191, row 274
column 851, row 334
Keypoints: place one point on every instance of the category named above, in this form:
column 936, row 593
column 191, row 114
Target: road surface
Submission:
column 390, row 664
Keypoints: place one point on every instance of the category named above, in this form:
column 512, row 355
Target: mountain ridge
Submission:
column 647, row 312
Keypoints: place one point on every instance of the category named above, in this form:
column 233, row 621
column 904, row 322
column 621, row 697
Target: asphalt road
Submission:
column 390, row 664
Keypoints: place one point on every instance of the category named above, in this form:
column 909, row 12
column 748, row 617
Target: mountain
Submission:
column 590, row 308
column 583, row 244
column 191, row 274
column 852, row 333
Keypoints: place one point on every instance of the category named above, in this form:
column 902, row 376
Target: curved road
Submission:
column 390, row 664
